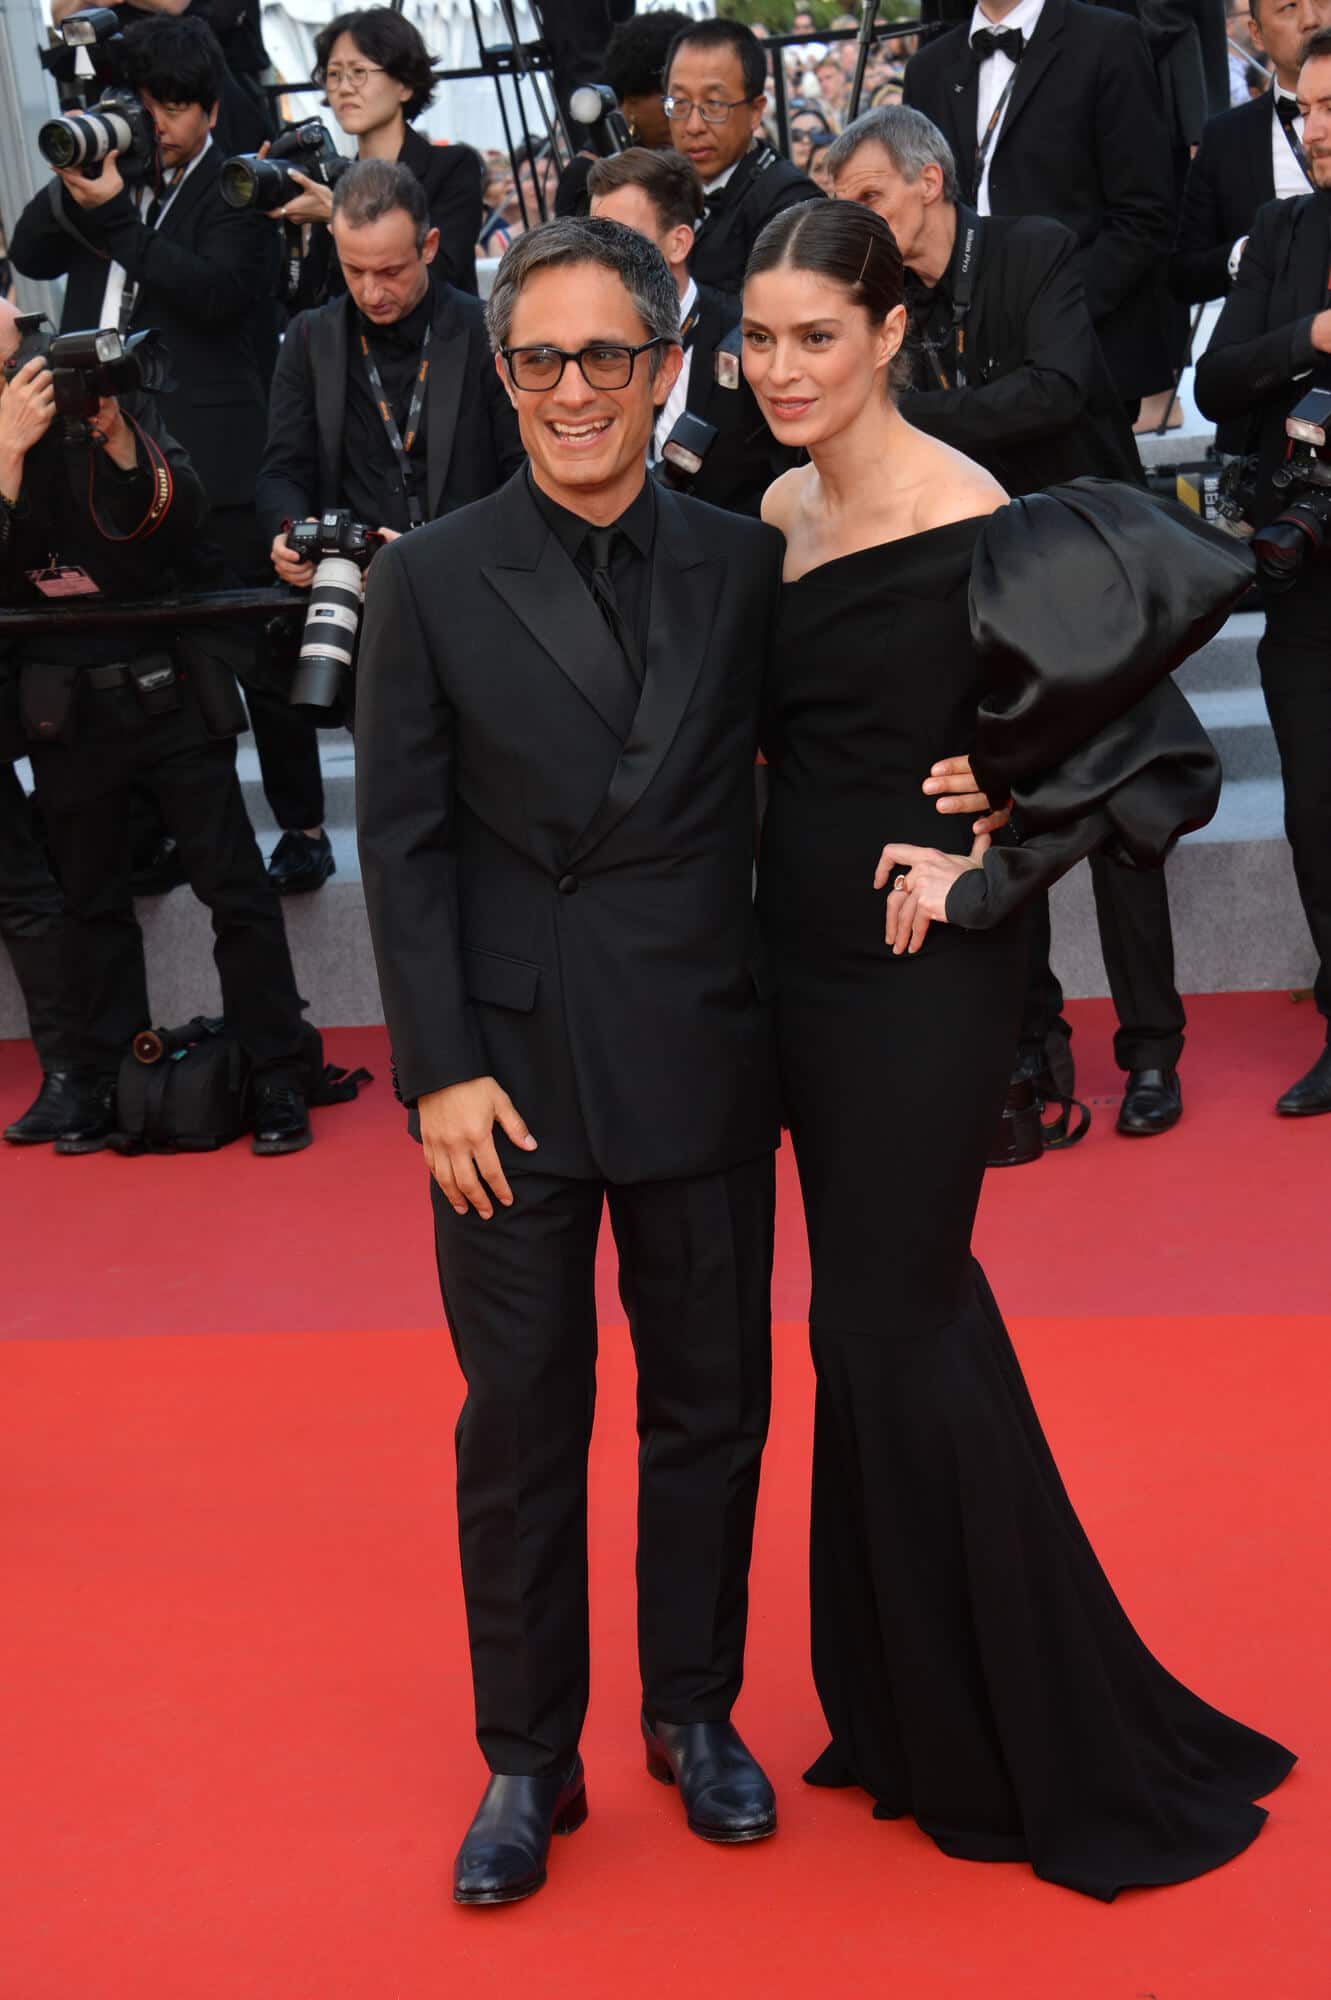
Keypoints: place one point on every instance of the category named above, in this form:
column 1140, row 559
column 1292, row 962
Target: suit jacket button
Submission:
column 567, row 885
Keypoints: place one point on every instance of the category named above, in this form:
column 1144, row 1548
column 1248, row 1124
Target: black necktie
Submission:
column 600, row 546
column 1287, row 110
column 986, row 42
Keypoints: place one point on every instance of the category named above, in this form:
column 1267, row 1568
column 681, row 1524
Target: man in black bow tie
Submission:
column 556, row 731
column 1052, row 108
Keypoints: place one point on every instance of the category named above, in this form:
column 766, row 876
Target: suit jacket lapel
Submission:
column 192, row 190
column 539, row 584
column 330, row 329
column 1261, row 140
column 702, row 357
column 959, row 104
column 443, row 397
column 1036, row 59
column 684, row 593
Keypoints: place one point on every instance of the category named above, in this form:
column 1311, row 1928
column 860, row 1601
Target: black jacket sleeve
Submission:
column 1247, row 359
column 215, row 286
column 40, row 247
column 1199, row 267
column 287, row 488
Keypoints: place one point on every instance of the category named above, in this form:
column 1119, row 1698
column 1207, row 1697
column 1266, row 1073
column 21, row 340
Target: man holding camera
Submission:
column 385, row 401
column 1272, row 345
column 108, row 507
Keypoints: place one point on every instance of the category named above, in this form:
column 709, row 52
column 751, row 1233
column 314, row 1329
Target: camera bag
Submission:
column 197, row 1096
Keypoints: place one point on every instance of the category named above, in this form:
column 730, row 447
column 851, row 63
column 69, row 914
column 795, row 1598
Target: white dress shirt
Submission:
column 994, row 73
column 1287, row 175
column 113, row 296
column 677, row 401
column 710, row 187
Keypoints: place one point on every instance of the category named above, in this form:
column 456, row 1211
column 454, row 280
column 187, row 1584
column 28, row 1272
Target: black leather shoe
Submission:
column 1152, row 1102
column 281, row 1121
column 90, row 1115
column 1311, row 1095
column 50, row 1112
column 301, row 862
column 726, row 1794
column 503, row 1856
column 159, row 871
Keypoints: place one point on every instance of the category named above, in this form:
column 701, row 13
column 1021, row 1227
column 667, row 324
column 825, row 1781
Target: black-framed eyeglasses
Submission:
column 715, row 110
column 603, row 367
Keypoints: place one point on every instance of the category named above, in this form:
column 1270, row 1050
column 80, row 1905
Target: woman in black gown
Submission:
column 973, row 1664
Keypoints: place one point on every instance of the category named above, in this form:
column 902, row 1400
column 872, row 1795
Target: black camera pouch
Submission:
column 211, row 659
column 47, row 699
column 156, row 683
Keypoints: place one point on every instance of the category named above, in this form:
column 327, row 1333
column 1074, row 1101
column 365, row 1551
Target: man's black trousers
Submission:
column 83, row 789
column 1294, row 655
column 695, row 1265
column 31, row 913
column 1137, row 942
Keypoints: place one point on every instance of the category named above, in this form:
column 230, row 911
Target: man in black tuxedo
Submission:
column 1007, row 368
column 1248, row 156
column 716, row 93
column 1052, row 108
column 556, row 733
column 660, row 195
column 1272, row 345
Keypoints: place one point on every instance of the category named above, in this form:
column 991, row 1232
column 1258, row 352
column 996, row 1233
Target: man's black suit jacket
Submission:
column 471, row 433
column 1263, row 339
column 1039, row 406
column 744, row 457
column 558, row 876
column 1230, row 178
column 201, row 275
column 1083, row 141
column 762, row 185
column 452, row 178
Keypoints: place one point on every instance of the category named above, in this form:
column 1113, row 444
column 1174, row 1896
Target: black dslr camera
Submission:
column 1304, row 526
column 87, row 366
column 595, row 106
column 265, row 184
column 89, row 55
column 341, row 548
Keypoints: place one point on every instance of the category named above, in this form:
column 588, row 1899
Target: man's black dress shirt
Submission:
column 371, row 478
column 630, row 558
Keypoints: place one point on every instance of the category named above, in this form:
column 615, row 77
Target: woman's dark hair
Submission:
column 386, row 38
column 635, row 55
column 174, row 60
column 838, row 240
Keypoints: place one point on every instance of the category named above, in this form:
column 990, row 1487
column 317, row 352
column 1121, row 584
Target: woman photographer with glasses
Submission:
column 378, row 78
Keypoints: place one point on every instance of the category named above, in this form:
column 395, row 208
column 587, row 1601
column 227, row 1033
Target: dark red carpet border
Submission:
column 235, row 1750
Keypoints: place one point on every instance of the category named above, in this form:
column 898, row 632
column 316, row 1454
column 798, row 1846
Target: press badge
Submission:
column 63, row 580
column 727, row 368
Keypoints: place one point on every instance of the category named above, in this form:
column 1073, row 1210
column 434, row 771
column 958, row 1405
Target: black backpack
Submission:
column 187, row 1090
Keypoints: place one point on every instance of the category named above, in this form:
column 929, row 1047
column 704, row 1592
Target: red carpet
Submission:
column 235, row 1750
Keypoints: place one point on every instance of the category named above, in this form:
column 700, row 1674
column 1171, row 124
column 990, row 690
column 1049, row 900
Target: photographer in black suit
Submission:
column 1248, row 156
column 1007, row 368
column 1272, row 345
column 716, row 94
column 557, row 725
column 1052, row 108
column 660, row 195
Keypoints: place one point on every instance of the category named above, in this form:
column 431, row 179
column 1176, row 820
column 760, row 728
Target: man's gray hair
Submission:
column 589, row 239
column 911, row 141
column 368, row 190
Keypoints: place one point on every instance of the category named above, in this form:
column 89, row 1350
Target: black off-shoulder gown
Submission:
column 973, row 1664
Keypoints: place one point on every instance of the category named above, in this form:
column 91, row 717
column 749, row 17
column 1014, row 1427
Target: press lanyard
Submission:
column 961, row 305
column 402, row 449
column 129, row 297
column 995, row 118
column 1296, row 147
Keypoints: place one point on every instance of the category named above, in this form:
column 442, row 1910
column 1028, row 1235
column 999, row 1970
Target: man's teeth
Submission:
column 581, row 430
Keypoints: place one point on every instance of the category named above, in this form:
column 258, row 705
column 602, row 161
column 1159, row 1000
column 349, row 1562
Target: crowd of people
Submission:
column 332, row 353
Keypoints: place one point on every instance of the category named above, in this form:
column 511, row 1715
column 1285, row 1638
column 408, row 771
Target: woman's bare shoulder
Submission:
column 959, row 490
column 782, row 499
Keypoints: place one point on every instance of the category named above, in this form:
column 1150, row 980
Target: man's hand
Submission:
column 1321, row 334
column 389, row 534
column 315, row 205
column 118, row 440
column 919, row 898
column 94, row 194
column 289, row 566
column 27, row 411
column 954, row 779
column 457, row 1134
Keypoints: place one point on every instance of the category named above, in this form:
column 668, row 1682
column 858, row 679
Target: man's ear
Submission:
column 501, row 369
column 430, row 247
column 212, row 116
column 758, row 106
column 679, row 243
column 667, row 374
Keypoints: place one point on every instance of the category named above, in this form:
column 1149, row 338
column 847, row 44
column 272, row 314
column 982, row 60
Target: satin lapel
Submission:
column 684, row 593
column 541, row 586
column 328, row 365
column 959, row 105
column 703, row 359
column 193, row 189
column 1260, row 139
column 443, row 400
column 1043, row 48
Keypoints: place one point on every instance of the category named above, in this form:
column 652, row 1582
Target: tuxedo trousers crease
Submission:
column 519, row 1294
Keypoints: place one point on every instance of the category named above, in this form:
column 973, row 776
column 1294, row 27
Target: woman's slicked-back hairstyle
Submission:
column 841, row 241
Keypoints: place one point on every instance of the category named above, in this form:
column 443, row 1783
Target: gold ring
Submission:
column 902, row 883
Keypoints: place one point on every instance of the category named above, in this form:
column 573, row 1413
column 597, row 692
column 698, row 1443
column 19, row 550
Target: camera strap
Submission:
column 991, row 130
column 401, row 447
column 962, row 295
column 163, row 487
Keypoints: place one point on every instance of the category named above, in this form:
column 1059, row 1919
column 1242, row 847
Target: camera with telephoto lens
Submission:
column 265, row 184
column 341, row 548
column 1303, row 528
column 89, row 365
column 117, row 123
column 595, row 106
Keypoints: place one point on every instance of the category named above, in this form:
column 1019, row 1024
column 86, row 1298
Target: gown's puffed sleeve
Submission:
column 1083, row 601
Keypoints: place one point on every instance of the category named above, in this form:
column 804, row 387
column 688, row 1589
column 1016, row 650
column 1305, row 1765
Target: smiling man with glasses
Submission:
column 556, row 726
column 716, row 83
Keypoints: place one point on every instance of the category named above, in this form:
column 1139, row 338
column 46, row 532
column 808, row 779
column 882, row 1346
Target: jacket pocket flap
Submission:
column 500, row 982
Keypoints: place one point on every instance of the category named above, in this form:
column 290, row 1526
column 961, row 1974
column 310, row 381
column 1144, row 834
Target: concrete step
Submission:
column 1229, row 660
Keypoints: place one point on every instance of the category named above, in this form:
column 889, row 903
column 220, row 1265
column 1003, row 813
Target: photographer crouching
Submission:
column 1272, row 347
column 98, row 501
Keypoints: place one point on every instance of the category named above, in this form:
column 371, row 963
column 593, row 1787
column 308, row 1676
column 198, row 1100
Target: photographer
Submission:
column 398, row 344
column 1272, row 345
column 105, row 504
column 244, row 117
column 378, row 77
column 634, row 69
